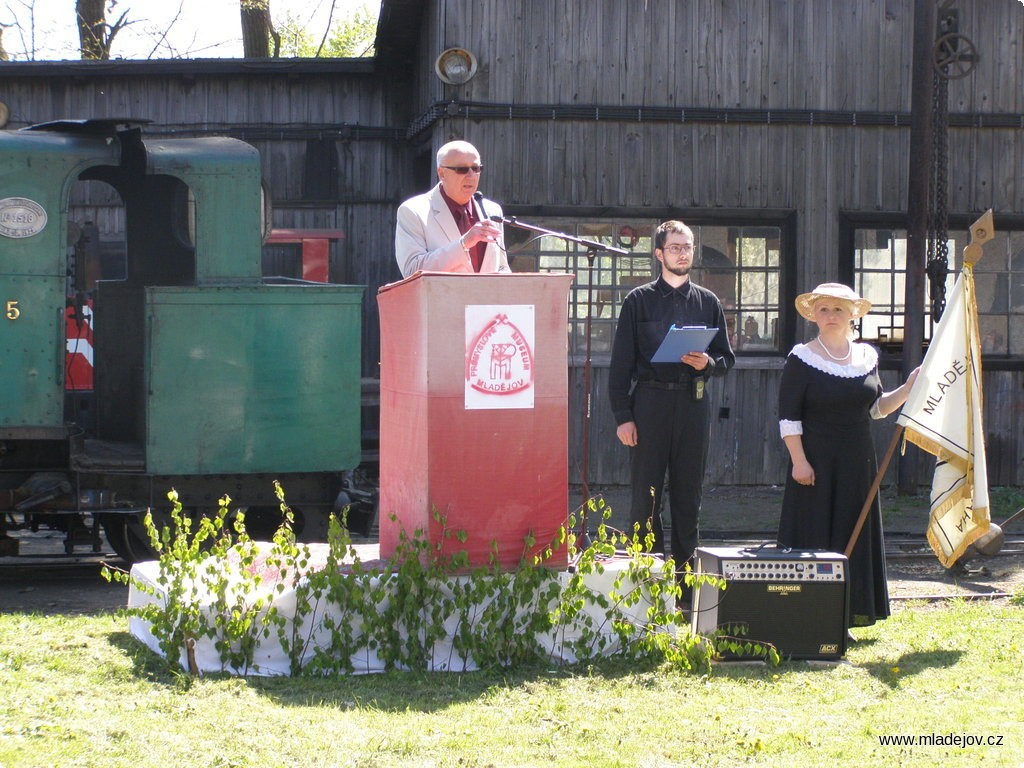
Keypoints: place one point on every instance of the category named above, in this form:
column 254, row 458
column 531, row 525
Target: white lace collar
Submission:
column 863, row 360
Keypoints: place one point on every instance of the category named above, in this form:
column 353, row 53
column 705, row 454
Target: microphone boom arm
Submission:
column 591, row 245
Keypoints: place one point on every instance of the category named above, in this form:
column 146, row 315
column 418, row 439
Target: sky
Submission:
column 203, row 29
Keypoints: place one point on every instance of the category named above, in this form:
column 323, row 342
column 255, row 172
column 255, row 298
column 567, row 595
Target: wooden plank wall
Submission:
column 771, row 54
column 737, row 54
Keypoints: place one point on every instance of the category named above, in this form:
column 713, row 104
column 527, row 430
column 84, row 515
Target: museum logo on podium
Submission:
column 499, row 356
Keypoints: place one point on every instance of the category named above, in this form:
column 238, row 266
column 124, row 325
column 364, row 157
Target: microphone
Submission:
column 478, row 196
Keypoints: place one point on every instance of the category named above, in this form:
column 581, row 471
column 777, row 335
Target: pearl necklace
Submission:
column 849, row 349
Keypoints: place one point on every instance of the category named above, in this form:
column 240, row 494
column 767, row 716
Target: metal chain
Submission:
column 938, row 240
column 932, row 161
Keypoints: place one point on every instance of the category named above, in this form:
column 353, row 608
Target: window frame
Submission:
column 783, row 220
column 850, row 222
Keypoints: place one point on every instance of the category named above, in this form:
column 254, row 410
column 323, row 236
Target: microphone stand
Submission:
column 592, row 248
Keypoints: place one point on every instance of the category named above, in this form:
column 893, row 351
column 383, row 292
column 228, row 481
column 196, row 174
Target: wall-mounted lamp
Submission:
column 455, row 66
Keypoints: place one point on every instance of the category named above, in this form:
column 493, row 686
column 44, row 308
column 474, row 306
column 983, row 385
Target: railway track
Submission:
column 48, row 549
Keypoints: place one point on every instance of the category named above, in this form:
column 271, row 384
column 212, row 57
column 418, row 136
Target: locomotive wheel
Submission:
column 128, row 538
column 261, row 523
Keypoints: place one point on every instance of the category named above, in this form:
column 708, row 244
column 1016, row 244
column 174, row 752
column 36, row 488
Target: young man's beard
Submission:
column 678, row 271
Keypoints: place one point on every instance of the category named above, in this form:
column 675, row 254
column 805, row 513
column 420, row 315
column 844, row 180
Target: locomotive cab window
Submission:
column 162, row 233
column 95, row 236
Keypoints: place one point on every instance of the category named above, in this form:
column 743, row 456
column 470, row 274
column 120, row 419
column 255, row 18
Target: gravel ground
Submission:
column 750, row 514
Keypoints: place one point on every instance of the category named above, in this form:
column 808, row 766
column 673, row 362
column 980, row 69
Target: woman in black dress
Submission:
column 830, row 390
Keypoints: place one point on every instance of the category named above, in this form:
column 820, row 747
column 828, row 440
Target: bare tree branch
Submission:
column 120, row 24
column 27, row 45
column 170, row 26
column 327, row 29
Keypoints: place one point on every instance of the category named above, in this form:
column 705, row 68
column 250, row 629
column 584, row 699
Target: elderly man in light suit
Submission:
column 444, row 230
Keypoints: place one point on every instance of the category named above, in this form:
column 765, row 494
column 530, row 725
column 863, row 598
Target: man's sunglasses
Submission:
column 462, row 170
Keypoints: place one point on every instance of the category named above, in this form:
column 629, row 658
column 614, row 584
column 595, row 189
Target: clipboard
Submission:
column 683, row 339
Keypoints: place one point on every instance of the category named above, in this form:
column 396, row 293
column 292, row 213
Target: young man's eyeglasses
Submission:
column 675, row 249
column 462, row 170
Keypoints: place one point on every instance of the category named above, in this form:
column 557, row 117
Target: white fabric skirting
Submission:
column 271, row 659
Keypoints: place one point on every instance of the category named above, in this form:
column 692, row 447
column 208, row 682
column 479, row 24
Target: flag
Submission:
column 943, row 415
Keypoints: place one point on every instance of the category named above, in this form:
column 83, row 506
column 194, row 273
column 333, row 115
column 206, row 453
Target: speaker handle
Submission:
column 764, row 545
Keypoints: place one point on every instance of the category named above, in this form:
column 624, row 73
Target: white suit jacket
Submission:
column 427, row 238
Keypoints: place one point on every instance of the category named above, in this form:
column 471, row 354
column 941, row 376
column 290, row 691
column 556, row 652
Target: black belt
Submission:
column 686, row 384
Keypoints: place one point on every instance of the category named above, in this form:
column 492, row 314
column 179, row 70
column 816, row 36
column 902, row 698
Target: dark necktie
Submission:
column 464, row 221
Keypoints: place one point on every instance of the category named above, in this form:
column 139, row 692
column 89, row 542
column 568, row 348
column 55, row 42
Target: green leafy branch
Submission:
column 426, row 608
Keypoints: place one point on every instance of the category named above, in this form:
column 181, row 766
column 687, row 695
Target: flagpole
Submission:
column 874, row 489
column 943, row 416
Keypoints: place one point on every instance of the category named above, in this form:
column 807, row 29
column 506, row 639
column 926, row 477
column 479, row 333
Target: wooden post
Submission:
column 918, row 204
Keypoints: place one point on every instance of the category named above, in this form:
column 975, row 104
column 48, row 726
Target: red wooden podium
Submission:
column 474, row 412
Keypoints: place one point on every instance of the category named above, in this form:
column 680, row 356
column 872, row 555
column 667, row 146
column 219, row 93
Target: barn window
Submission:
column 740, row 264
column 320, row 172
column 880, row 262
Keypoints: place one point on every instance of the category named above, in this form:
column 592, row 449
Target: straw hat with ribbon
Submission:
column 805, row 301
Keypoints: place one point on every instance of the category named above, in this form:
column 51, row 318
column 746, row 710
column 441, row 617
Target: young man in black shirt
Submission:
column 662, row 408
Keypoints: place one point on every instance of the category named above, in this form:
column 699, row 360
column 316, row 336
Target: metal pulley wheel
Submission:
column 954, row 56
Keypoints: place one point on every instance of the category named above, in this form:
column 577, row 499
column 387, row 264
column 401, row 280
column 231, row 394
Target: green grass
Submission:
column 82, row 692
